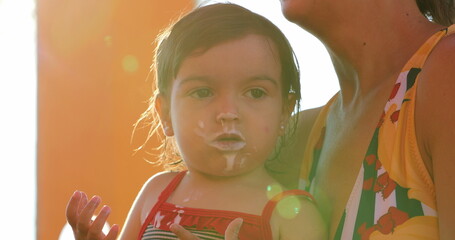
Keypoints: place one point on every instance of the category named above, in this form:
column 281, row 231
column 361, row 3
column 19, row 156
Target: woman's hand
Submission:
column 232, row 231
column 79, row 213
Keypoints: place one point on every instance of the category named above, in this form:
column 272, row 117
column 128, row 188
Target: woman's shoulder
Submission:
column 307, row 118
column 436, row 97
column 441, row 60
column 437, row 75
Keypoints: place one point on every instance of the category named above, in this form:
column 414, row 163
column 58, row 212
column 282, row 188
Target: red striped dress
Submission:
column 204, row 223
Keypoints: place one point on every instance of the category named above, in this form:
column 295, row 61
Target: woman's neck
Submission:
column 370, row 48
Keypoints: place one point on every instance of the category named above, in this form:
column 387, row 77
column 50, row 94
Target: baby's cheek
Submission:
column 269, row 129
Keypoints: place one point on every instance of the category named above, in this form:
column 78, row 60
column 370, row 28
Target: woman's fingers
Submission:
column 182, row 233
column 233, row 229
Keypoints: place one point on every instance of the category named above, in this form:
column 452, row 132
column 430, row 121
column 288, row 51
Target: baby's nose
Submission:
column 227, row 108
column 227, row 117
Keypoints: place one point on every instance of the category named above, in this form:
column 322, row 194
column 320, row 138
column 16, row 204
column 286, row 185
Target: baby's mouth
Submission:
column 229, row 142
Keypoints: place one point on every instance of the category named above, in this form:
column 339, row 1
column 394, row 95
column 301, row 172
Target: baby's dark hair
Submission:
column 439, row 11
column 195, row 33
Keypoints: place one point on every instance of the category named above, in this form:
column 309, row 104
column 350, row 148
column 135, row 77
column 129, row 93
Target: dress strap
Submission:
column 271, row 204
column 420, row 56
column 164, row 195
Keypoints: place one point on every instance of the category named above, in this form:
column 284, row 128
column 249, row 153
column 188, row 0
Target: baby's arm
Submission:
column 306, row 223
column 79, row 212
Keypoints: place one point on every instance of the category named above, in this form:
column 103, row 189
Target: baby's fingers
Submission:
column 96, row 228
column 85, row 218
column 182, row 233
column 233, row 229
column 82, row 203
column 112, row 235
column 72, row 209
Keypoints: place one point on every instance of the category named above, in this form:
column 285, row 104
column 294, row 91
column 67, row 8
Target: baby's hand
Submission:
column 79, row 213
column 232, row 231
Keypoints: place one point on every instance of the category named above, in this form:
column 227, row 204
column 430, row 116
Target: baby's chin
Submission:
column 228, row 171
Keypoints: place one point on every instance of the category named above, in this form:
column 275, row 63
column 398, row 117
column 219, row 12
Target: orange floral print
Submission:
column 385, row 185
column 386, row 223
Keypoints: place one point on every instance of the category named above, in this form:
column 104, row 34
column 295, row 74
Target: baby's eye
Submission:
column 256, row 93
column 201, row 93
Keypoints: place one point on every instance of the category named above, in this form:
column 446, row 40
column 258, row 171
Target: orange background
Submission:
column 93, row 62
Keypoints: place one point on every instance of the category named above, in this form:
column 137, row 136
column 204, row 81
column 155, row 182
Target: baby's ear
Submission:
column 162, row 107
column 292, row 100
column 288, row 107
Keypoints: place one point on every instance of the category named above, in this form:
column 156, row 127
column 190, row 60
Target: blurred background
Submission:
column 73, row 81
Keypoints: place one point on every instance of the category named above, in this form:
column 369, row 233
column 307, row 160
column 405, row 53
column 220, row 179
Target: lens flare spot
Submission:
column 108, row 41
column 289, row 207
column 273, row 190
column 130, row 63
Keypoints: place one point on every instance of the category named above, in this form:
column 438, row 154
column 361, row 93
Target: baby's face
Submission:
column 226, row 106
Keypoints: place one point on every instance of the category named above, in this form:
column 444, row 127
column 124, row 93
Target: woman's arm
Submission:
column 435, row 128
column 286, row 167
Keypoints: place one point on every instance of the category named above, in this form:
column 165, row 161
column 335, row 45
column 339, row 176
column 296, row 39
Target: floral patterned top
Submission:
column 393, row 196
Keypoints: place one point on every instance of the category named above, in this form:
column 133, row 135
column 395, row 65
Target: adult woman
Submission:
column 404, row 188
